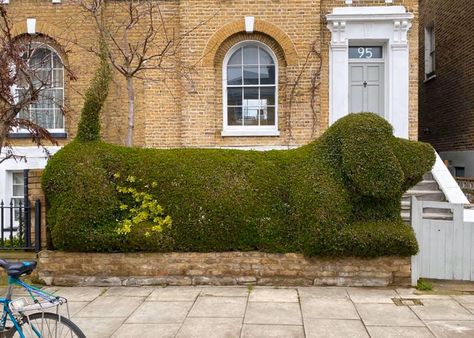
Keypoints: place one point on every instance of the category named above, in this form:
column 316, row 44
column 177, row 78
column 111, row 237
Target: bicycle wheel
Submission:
column 47, row 324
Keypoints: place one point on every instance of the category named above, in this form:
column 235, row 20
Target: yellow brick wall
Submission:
column 175, row 110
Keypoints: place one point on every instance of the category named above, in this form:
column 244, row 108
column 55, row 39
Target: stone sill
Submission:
column 21, row 135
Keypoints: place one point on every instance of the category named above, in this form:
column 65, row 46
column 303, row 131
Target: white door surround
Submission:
column 375, row 25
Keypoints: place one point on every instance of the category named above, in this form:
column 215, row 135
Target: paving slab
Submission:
column 399, row 331
column 451, row 329
column 468, row 306
column 368, row 295
column 160, row 313
column 110, row 307
column 74, row 308
column 80, row 294
column 464, row 299
column 323, row 292
column 273, row 295
column 99, row 327
column 174, row 294
column 414, row 293
column 147, row 331
column 210, row 328
column 273, row 313
column 441, row 309
column 272, row 331
column 219, row 307
column 129, row 291
column 334, row 328
column 387, row 315
column 225, row 291
column 328, row 308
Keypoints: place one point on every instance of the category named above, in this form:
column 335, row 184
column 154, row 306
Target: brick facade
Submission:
column 168, row 113
column 447, row 101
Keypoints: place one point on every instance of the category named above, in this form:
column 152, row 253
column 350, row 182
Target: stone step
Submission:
column 428, row 176
column 426, row 195
column 406, row 206
column 426, row 185
column 430, row 215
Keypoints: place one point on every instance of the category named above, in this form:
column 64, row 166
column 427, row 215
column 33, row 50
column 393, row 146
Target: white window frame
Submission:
column 248, row 130
column 15, row 87
column 15, row 198
column 430, row 52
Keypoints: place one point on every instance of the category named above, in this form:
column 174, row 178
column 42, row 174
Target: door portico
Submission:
column 384, row 87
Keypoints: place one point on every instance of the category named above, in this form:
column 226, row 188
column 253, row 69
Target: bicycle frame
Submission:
column 7, row 313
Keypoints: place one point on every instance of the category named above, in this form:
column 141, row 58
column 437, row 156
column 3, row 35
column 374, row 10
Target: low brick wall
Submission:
column 226, row 268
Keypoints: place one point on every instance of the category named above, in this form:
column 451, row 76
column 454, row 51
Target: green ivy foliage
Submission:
column 337, row 196
column 96, row 94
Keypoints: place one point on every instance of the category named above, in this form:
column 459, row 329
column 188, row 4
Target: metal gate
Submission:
column 446, row 246
column 16, row 229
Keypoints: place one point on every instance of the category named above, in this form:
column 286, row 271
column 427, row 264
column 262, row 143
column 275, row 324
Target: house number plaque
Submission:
column 365, row 52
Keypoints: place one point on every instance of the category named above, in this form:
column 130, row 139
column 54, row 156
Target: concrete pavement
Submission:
column 267, row 312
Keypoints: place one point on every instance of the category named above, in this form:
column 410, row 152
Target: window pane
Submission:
column 234, row 96
column 59, row 117
column 267, row 75
column 234, row 116
column 236, row 58
column 18, row 178
column 58, row 98
column 267, row 96
column 251, row 114
column 250, row 75
column 250, row 55
column 267, row 116
column 58, row 80
column 57, row 61
column 17, row 190
column 251, row 93
column 265, row 58
column 234, row 75
column 40, row 58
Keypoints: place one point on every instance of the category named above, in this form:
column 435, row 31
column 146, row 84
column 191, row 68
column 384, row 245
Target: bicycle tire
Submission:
column 72, row 328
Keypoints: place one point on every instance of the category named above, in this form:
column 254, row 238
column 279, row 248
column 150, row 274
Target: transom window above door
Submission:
column 250, row 78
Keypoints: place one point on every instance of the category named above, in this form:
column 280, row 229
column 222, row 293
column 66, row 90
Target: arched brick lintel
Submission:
column 261, row 26
column 43, row 28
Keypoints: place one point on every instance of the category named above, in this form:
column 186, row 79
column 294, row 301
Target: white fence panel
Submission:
column 446, row 246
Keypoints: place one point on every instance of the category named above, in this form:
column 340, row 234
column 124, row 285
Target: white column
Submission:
column 338, row 72
column 399, row 90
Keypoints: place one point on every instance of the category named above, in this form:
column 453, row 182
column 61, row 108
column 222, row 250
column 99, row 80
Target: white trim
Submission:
column 248, row 130
column 447, row 183
column 31, row 25
column 36, row 158
column 387, row 25
column 249, row 24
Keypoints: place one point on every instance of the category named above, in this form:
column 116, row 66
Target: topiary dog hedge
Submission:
column 339, row 195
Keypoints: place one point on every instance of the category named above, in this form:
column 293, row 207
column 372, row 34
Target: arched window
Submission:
column 250, row 88
column 47, row 74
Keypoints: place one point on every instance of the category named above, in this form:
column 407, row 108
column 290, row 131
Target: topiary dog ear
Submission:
column 415, row 158
column 366, row 155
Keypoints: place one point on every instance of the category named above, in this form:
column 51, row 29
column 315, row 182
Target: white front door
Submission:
column 366, row 87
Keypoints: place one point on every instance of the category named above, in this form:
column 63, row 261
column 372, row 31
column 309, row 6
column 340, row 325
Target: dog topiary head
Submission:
column 373, row 162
